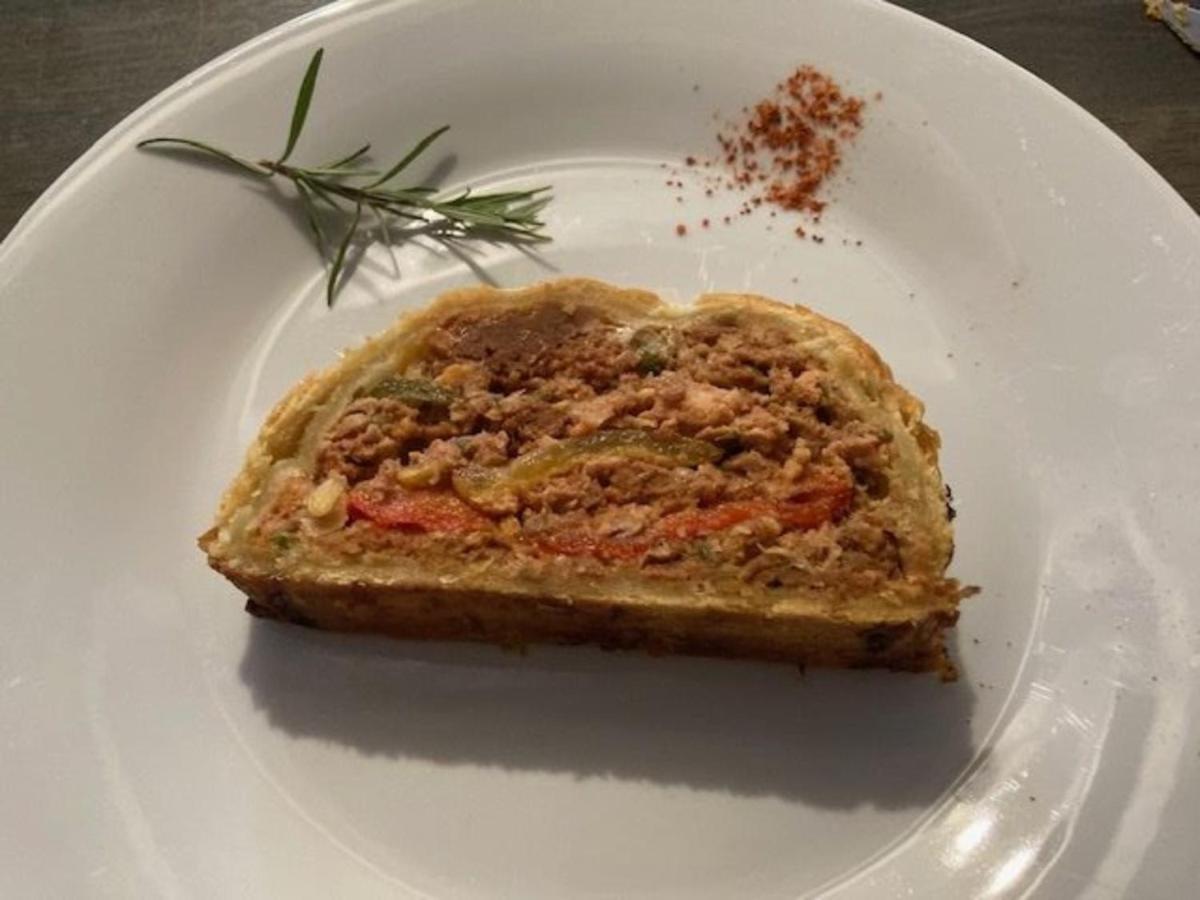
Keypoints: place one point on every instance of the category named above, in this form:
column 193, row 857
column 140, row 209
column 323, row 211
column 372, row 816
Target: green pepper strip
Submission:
column 653, row 354
column 413, row 391
column 483, row 484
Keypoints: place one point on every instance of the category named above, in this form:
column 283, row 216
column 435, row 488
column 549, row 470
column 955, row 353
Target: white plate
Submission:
column 1021, row 269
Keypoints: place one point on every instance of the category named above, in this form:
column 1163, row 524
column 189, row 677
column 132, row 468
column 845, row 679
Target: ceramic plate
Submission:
column 1027, row 275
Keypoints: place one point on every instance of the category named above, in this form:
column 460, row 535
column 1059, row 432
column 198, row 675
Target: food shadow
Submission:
column 831, row 739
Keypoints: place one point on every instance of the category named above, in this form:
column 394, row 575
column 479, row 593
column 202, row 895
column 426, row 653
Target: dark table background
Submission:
column 71, row 69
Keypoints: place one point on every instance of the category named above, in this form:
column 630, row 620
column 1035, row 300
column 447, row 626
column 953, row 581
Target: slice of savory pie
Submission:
column 578, row 463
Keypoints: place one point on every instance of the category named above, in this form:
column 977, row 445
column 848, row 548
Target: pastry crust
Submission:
column 898, row 625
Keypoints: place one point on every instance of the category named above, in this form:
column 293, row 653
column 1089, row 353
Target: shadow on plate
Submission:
column 833, row 739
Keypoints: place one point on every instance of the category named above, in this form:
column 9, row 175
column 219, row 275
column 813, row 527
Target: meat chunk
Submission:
column 522, row 346
column 704, row 405
column 374, row 429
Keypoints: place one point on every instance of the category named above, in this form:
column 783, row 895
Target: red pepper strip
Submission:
column 810, row 513
column 694, row 523
column 606, row 549
column 433, row 511
column 822, row 503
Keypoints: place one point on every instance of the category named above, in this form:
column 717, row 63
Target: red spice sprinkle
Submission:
column 704, row 223
column 681, row 229
column 784, row 148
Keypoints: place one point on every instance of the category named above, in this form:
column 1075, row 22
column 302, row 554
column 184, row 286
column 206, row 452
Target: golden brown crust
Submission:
column 515, row 620
column 821, row 630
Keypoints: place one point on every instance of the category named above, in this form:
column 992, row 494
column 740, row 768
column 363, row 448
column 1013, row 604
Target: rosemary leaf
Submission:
column 400, row 212
column 413, row 193
column 340, row 259
column 420, row 147
column 347, row 160
column 303, row 100
column 310, row 212
column 326, row 172
column 318, row 191
column 530, row 209
column 168, row 143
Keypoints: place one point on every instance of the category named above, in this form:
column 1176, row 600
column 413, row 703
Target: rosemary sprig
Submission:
column 345, row 188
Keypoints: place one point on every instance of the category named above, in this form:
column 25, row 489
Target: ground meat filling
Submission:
column 555, row 432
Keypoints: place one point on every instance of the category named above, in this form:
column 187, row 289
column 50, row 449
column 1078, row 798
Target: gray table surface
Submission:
column 71, row 69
